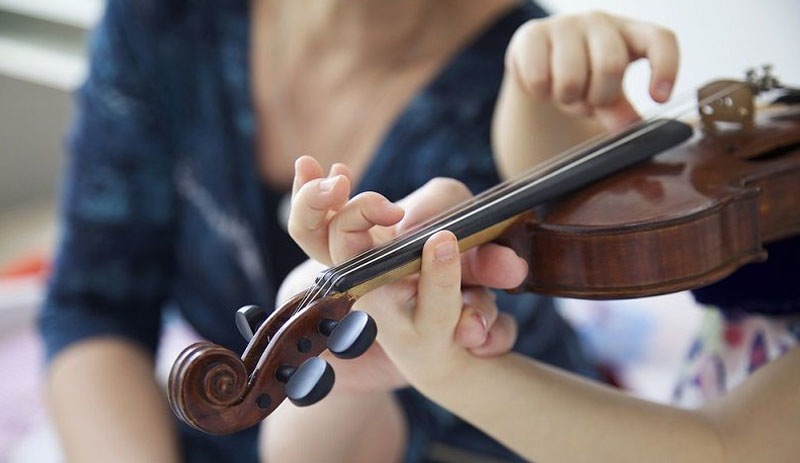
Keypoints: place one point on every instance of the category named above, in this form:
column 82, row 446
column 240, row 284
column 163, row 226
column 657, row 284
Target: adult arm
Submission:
column 101, row 318
column 106, row 404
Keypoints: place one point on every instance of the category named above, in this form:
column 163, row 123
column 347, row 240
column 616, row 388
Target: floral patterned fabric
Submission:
column 728, row 349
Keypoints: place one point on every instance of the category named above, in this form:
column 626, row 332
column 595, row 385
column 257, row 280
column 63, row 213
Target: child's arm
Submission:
column 360, row 420
column 549, row 415
column 563, row 83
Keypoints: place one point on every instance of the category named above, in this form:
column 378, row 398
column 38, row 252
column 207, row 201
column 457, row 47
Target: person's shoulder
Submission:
column 521, row 13
column 159, row 20
column 147, row 13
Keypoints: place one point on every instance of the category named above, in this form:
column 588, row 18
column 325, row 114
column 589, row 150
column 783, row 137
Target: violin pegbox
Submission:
column 248, row 319
column 351, row 336
column 216, row 391
column 347, row 337
column 310, row 382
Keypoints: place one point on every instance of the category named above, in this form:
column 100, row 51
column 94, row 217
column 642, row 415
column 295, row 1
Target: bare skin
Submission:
column 345, row 70
column 542, row 413
column 340, row 57
column 563, row 83
column 333, row 77
column 375, row 427
column 106, row 404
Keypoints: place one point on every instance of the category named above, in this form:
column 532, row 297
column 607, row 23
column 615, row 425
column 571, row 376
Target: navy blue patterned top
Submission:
column 163, row 205
column 771, row 287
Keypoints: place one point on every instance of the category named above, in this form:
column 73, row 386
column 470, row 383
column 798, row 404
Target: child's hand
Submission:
column 422, row 315
column 577, row 62
column 326, row 223
column 330, row 227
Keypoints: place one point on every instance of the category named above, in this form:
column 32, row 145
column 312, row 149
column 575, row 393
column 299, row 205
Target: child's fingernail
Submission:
column 663, row 90
column 328, row 184
column 482, row 320
column 445, row 251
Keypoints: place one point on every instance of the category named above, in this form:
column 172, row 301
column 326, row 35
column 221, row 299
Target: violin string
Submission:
column 449, row 222
column 505, row 190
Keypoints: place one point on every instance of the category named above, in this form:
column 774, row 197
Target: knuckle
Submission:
column 531, row 29
column 665, row 35
column 569, row 90
column 450, row 187
column 611, row 66
column 597, row 16
column 367, row 197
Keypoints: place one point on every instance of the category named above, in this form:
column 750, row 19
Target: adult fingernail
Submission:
column 445, row 251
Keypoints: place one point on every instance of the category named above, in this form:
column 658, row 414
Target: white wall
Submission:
column 718, row 38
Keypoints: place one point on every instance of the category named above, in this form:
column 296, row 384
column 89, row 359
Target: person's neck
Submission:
column 376, row 29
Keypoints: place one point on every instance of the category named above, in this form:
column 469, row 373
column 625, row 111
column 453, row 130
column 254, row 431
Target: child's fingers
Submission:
column 501, row 338
column 528, row 59
column 439, row 292
column 478, row 315
column 618, row 115
column 660, row 46
column 340, row 169
column 608, row 56
column 311, row 208
column 493, row 266
column 569, row 61
column 306, row 169
column 349, row 228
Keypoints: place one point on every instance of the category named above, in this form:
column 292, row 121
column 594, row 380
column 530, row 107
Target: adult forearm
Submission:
column 344, row 427
column 106, row 404
column 547, row 415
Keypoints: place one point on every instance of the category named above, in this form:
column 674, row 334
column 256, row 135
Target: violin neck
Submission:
column 486, row 216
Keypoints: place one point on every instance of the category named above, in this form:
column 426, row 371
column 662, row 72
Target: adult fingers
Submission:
column 431, row 199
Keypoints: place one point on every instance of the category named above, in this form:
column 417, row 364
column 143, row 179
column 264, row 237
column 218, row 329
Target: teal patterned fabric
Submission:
column 162, row 205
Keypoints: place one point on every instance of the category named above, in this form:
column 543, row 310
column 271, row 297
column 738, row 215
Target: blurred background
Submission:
column 42, row 61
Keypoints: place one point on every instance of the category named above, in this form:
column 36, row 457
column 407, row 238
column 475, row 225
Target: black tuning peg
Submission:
column 309, row 383
column 248, row 319
column 351, row 336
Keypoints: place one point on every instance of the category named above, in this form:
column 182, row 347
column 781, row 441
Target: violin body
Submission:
column 687, row 218
column 661, row 208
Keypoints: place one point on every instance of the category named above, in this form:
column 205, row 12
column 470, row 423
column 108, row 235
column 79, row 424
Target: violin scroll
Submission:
column 207, row 373
column 214, row 390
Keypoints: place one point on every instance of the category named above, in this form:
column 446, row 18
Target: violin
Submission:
column 661, row 207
